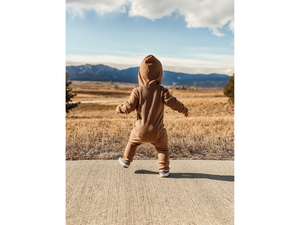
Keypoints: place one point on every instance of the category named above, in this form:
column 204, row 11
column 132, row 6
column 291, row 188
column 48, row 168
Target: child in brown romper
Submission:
column 148, row 100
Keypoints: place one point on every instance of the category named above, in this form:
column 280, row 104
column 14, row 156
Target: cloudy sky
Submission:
column 191, row 36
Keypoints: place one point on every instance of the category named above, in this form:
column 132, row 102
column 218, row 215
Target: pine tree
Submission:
column 229, row 90
column 69, row 104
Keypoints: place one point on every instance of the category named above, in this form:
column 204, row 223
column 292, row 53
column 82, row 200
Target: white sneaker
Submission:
column 123, row 162
column 164, row 174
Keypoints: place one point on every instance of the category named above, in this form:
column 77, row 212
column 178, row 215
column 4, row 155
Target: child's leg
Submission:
column 133, row 142
column 130, row 151
column 163, row 153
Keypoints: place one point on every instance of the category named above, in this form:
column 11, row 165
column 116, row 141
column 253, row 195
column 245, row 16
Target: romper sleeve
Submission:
column 173, row 103
column 130, row 105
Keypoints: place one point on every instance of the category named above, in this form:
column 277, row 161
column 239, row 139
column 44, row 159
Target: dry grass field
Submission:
column 198, row 92
column 95, row 131
column 91, row 90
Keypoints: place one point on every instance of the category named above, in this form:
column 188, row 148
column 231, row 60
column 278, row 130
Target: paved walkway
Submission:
column 103, row 192
column 125, row 99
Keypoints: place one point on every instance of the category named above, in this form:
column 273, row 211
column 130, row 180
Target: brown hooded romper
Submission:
column 148, row 100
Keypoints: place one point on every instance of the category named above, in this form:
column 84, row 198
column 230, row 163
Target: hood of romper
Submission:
column 150, row 72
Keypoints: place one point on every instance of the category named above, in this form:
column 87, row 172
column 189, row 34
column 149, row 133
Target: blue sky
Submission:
column 193, row 38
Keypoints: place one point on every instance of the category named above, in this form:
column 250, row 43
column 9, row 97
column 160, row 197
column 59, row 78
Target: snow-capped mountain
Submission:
column 101, row 72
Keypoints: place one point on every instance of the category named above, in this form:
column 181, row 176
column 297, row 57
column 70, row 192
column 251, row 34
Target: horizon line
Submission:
column 95, row 64
column 205, row 64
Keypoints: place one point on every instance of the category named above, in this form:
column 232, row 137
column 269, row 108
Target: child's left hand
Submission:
column 118, row 109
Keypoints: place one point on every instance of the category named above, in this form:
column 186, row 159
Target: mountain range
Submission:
column 102, row 72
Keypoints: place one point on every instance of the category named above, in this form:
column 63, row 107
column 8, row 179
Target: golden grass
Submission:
column 95, row 131
column 91, row 90
column 88, row 95
column 199, row 92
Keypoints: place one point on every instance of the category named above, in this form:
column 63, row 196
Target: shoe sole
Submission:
column 122, row 164
column 162, row 176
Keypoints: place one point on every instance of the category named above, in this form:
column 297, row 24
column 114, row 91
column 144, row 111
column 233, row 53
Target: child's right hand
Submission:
column 186, row 114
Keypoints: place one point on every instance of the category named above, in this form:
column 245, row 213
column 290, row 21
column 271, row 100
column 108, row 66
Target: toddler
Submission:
column 148, row 100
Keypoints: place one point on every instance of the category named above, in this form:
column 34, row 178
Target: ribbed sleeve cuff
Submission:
column 184, row 110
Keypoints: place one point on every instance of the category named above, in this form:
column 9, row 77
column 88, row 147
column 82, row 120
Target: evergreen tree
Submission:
column 229, row 90
column 69, row 104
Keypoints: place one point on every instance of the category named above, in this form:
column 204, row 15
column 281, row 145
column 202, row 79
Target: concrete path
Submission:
column 125, row 99
column 103, row 192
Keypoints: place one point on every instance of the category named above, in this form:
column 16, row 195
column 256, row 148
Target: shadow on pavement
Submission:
column 191, row 175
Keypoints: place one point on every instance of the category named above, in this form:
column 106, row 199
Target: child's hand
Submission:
column 186, row 114
column 118, row 109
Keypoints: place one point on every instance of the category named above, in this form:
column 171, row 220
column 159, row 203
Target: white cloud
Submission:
column 77, row 7
column 231, row 26
column 154, row 9
column 192, row 66
column 223, row 59
column 211, row 14
column 76, row 11
column 123, row 9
